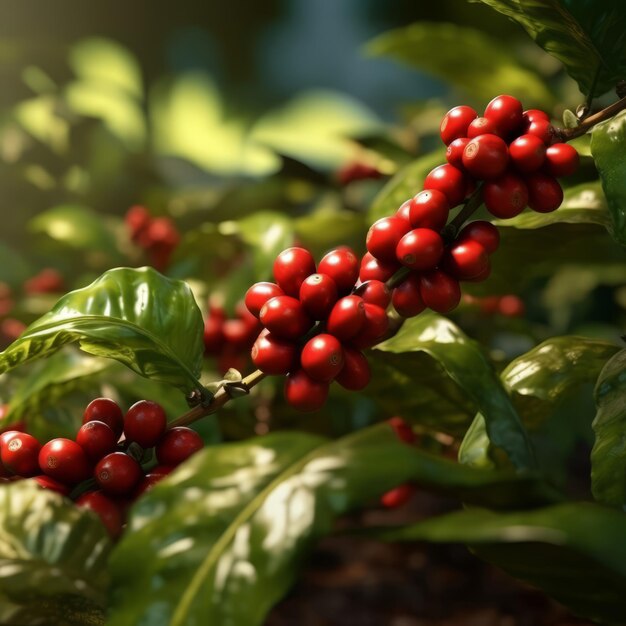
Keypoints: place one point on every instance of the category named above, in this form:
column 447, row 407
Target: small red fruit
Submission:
column 347, row 317
column 177, row 445
column 420, row 249
column 285, row 317
column 375, row 328
column 506, row 112
column 96, row 439
column 482, row 126
column 107, row 510
column 404, row 212
column 527, row 152
column 304, row 393
column 383, row 236
column 484, row 275
column 273, row 355
column 561, row 160
column 373, row 269
column 259, row 294
column 144, row 423
column 291, row 267
column 511, row 306
column 146, row 483
column 64, row 460
column 429, row 209
column 544, row 193
column 454, row 153
column 107, row 411
column 466, row 260
column 486, row 156
column 406, row 297
column 322, row 357
column 534, row 114
column 455, row 123
column 19, row 453
column 46, row 482
column 450, row 181
column 485, row 233
column 356, row 373
column 375, row 292
column 440, row 292
column 117, row 473
column 236, row 334
column 505, row 197
column 541, row 128
column 402, row 429
column 397, row 496
column 213, row 335
column 318, row 294
column 342, row 265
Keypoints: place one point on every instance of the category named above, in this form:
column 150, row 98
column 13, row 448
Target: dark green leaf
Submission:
column 53, row 559
column 146, row 321
column 466, row 364
column 574, row 552
column 608, row 458
column 608, row 147
column 488, row 66
column 587, row 37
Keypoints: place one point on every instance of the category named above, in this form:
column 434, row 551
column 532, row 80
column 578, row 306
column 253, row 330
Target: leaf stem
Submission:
column 567, row 134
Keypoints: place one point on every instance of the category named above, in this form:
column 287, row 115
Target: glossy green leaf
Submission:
column 220, row 540
column 146, row 321
column 53, row 559
column 574, row 552
column 608, row 147
column 608, row 457
column 488, row 67
column 587, row 37
column 465, row 363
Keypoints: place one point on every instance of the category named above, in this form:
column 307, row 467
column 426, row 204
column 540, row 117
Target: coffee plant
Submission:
column 172, row 441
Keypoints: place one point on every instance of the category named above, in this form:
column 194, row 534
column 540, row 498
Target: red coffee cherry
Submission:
column 146, row 483
column 454, row 153
column 544, row 193
column 236, row 334
column 285, row 317
column 527, row 152
column 440, row 292
column 291, row 267
column 144, row 423
column 356, row 373
column 482, row 126
column 484, row 275
column 420, row 249
column 46, row 482
column 105, row 508
column 541, row 128
column 404, row 212
column 273, row 355
column 342, row 265
column 455, row 123
column 375, row 292
column 486, row 156
column 213, row 335
column 137, row 219
column 107, row 411
column 177, row 445
column 534, row 114
column 406, row 297
column 505, row 197
column 506, row 112
column 318, row 294
column 429, row 209
column 375, row 328
column 117, row 473
column 322, row 357
column 347, row 317
column 64, row 460
column 450, row 181
column 397, row 496
column 403, row 431
column 259, row 294
column 383, row 236
column 485, row 233
column 561, row 160
column 19, row 454
column 466, row 260
column 511, row 306
column 373, row 269
column 304, row 393
column 96, row 439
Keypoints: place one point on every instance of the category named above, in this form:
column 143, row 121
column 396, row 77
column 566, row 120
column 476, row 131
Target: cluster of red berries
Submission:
column 62, row 464
column 230, row 340
column 158, row 236
column 357, row 170
column 313, row 355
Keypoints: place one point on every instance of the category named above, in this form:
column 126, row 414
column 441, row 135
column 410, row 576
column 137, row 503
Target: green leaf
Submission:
column 608, row 147
column 574, row 552
column 53, row 557
column 608, row 457
column 587, row 37
column 488, row 66
column 465, row 363
column 220, row 540
column 146, row 321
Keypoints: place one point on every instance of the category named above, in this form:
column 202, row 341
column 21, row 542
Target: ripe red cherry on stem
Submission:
column 291, row 267
column 47, row 482
column 373, row 269
column 105, row 508
column 64, row 460
column 561, row 160
column 356, row 373
column 383, row 236
column 485, row 233
column 342, row 265
column 177, row 445
column 397, row 496
column 420, row 249
column 506, row 112
column 404, row 212
column 375, row 292
column 285, row 317
column 144, row 423
column 107, row 411
column 455, row 123
column 259, row 294
column 322, row 357
column 541, row 128
column 454, row 153
column 440, row 292
column 506, row 196
column 318, row 294
column 466, row 260
column 304, row 393
column 19, row 454
column 544, row 193
column 402, row 429
column 534, row 114
column 482, row 126
column 486, row 156
column 450, row 181
column 429, row 209
column 117, row 473
column 406, row 297
column 273, row 355
column 96, row 439
column 527, row 152
column 375, row 328
column 347, row 317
